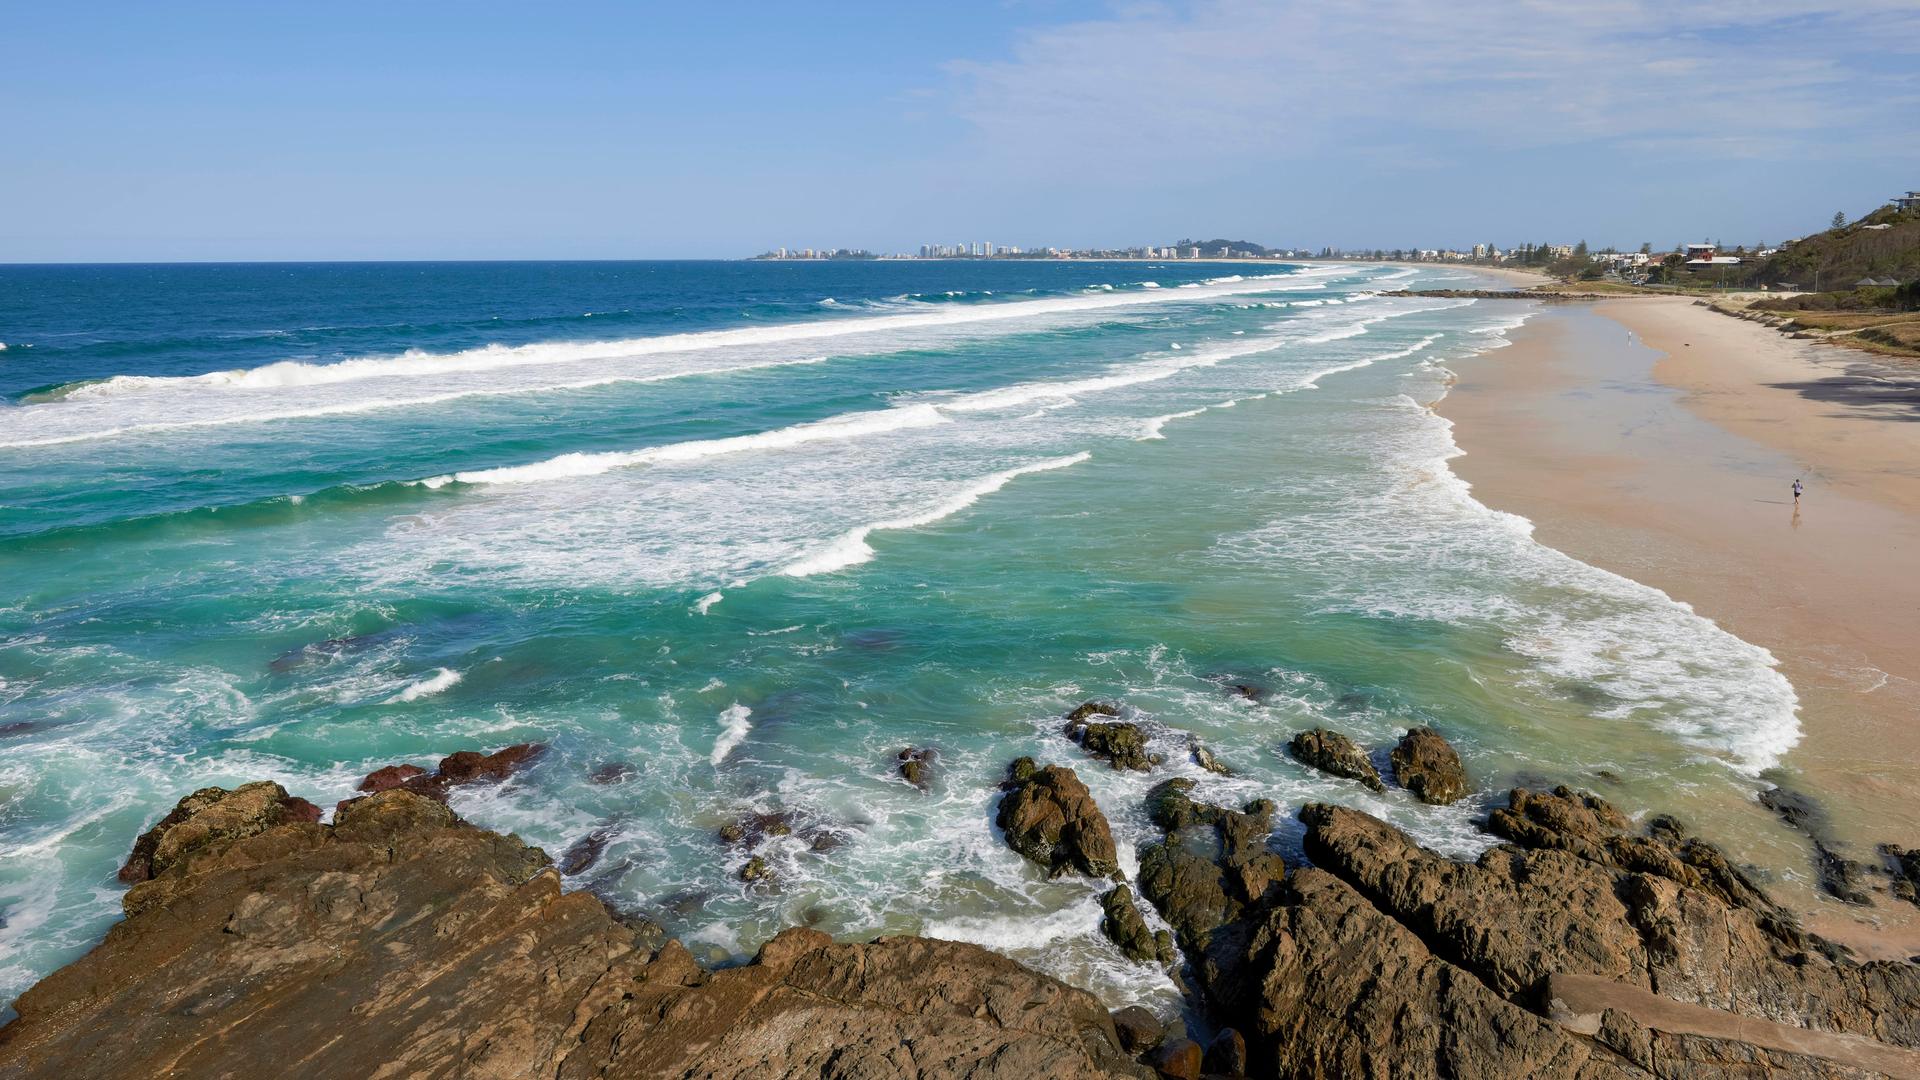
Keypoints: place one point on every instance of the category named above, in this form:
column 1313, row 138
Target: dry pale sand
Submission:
column 1659, row 440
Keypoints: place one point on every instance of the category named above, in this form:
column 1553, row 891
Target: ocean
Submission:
column 737, row 533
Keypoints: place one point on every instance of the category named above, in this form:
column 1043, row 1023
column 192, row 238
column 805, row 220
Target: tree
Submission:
column 1839, row 219
column 1580, row 250
column 1646, row 248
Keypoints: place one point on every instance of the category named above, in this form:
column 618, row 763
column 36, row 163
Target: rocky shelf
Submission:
column 400, row 940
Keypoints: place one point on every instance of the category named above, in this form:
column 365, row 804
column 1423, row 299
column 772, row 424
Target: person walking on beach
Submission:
column 1796, row 490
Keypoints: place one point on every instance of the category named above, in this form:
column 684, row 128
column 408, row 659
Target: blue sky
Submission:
column 596, row 130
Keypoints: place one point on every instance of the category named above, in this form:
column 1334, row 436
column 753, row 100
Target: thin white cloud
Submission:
column 1236, row 77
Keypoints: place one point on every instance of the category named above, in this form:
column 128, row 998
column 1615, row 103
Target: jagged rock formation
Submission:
column 1127, row 928
column 402, row 941
column 1384, row 959
column 1049, row 816
column 1116, row 742
column 1332, row 752
column 916, row 765
column 1426, row 764
column 454, row 770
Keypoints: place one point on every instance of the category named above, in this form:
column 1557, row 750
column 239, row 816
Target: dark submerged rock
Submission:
column 1903, row 866
column 612, row 772
column 1332, row 752
column 1426, row 764
column 583, row 853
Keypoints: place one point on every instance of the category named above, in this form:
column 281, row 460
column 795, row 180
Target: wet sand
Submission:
column 1660, row 440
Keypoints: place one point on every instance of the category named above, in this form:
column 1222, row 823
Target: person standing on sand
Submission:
column 1796, row 490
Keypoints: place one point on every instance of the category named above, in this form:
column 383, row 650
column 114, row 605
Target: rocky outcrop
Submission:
column 1903, row 866
column 1426, row 764
column 916, row 765
column 1120, row 744
column 1212, row 868
column 210, row 818
column 401, row 941
column 1386, row 959
column 454, row 770
column 1049, row 816
column 1207, row 760
column 1126, row 927
column 1332, row 752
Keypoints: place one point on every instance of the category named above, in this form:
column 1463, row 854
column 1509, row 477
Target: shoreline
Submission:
column 1657, row 439
column 255, row 933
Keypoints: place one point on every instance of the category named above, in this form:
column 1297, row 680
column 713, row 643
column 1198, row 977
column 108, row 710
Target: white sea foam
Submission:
column 1151, row 428
column 851, row 548
column 706, row 602
column 138, row 404
column 1415, row 544
column 733, row 731
column 427, row 687
column 574, row 465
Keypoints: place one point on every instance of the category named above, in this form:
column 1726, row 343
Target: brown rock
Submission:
column 1213, row 865
column 1082, row 713
column 1051, row 818
column 1426, row 765
column 467, row 766
column 212, row 817
column 464, row 767
column 391, row 776
column 1139, row 1030
column 1179, row 1059
column 1332, row 752
column 916, row 766
column 1226, row 1054
column 1126, row 927
column 402, row 941
column 1120, row 744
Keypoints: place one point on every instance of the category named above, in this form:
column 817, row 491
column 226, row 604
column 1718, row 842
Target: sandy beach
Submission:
column 1659, row 440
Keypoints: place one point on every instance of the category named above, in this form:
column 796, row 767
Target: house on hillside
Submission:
column 1699, row 255
column 1909, row 201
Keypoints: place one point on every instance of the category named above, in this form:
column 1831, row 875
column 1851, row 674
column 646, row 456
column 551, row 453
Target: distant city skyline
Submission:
column 600, row 130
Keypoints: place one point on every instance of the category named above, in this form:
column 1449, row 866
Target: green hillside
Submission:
column 1840, row 257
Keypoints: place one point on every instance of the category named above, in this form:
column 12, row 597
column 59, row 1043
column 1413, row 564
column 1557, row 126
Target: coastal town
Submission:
column 1679, row 263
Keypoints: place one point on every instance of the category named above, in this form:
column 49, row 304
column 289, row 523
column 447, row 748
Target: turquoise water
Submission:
column 750, row 529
